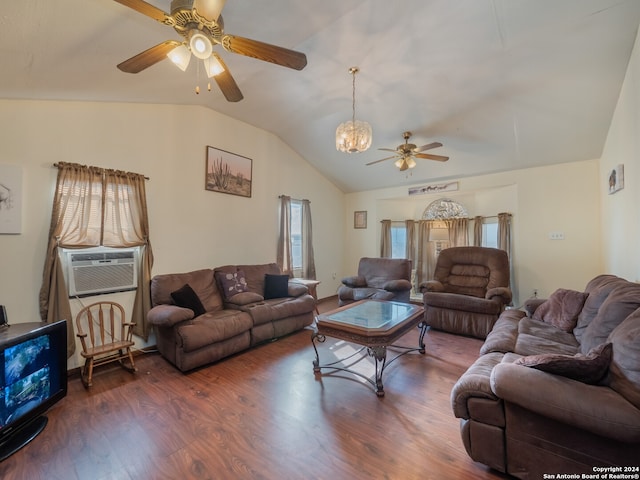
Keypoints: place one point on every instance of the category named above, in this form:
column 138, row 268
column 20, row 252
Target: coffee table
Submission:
column 373, row 324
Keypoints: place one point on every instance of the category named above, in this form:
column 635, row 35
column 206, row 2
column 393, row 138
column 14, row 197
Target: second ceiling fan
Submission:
column 201, row 25
column 406, row 153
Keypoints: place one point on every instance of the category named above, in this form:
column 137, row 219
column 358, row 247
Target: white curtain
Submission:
column 283, row 256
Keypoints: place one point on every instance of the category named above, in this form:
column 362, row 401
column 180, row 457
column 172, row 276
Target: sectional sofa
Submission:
column 556, row 389
column 202, row 316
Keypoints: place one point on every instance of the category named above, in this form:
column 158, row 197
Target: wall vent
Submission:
column 98, row 270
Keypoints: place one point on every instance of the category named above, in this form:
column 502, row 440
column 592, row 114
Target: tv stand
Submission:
column 22, row 436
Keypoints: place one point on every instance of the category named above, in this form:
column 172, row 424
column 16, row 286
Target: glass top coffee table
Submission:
column 375, row 325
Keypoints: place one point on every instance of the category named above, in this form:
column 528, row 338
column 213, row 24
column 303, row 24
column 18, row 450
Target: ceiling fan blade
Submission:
column 264, row 51
column 210, row 9
column 145, row 9
column 227, row 84
column 428, row 146
column 388, row 150
column 428, row 156
column 382, row 160
column 149, row 57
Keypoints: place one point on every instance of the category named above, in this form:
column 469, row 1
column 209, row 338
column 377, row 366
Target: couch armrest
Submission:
column 297, row 289
column 355, row 281
column 169, row 315
column 595, row 408
column 499, row 294
column 397, row 285
column 431, row 286
column 531, row 304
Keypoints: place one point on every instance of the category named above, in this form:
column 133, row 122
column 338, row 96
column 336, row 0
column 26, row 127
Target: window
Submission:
column 398, row 240
column 490, row 233
column 296, row 237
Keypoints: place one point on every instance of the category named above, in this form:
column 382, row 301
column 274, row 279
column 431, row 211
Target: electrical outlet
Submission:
column 556, row 235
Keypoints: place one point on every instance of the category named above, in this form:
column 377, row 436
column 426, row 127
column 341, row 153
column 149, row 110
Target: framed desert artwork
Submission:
column 228, row 172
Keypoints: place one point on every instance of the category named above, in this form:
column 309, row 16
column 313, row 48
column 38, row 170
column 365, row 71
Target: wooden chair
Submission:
column 105, row 336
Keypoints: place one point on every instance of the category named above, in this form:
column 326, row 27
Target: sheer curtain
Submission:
column 308, row 262
column 426, row 258
column 283, row 256
column 92, row 207
column 477, row 231
column 385, row 239
column 458, row 231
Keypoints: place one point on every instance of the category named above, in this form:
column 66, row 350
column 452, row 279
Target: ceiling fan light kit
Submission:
column 406, row 153
column 200, row 24
column 353, row 136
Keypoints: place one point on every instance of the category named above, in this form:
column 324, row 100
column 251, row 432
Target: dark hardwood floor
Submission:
column 261, row 414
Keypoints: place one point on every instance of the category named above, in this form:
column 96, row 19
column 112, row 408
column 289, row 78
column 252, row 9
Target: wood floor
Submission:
column 261, row 414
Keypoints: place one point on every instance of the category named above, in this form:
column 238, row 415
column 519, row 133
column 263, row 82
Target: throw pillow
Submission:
column 589, row 368
column 561, row 309
column 185, row 297
column 276, row 286
column 232, row 283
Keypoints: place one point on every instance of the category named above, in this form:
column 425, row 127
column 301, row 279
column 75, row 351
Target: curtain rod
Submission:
column 145, row 177
column 443, row 219
column 302, row 200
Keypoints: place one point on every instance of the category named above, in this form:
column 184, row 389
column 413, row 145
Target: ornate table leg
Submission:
column 321, row 338
column 423, row 329
column 380, row 354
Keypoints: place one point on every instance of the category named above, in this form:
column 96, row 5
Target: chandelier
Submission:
column 353, row 136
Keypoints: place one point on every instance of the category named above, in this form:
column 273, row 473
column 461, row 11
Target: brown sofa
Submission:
column 548, row 393
column 239, row 306
column 469, row 291
column 378, row 278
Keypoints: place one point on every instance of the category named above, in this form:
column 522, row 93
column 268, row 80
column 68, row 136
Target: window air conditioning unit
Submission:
column 97, row 270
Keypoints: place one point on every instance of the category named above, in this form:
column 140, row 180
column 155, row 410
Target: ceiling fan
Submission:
column 406, row 153
column 202, row 26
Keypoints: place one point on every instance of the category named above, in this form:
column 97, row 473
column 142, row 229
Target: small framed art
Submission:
column 228, row 173
column 616, row 179
column 360, row 219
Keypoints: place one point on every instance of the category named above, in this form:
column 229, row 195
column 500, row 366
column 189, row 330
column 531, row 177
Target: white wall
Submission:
column 621, row 211
column 190, row 227
column 561, row 198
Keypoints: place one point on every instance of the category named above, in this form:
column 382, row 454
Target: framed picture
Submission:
column 360, row 219
column 228, row 173
column 616, row 179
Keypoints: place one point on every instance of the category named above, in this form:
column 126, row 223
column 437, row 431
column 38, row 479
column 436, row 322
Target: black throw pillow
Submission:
column 276, row 286
column 185, row 297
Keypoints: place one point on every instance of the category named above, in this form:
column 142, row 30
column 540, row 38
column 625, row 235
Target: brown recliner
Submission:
column 379, row 279
column 469, row 291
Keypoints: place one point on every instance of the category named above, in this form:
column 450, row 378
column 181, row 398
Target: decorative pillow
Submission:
column 276, row 286
column 561, row 309
column 232, row 283
column 187, row 298
column 589, row 368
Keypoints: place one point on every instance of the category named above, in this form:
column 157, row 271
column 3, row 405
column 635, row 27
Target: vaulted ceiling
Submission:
column 503, row 84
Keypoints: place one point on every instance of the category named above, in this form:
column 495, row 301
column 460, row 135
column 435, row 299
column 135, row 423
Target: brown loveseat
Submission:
column 469, row 291
column 203, row 316
column 557, row 389
column 379, row 279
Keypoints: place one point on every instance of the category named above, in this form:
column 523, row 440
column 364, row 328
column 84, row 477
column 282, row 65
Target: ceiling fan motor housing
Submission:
column 185, row 21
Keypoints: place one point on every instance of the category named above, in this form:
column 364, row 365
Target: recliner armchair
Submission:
column 378, row 278
column 469, row 291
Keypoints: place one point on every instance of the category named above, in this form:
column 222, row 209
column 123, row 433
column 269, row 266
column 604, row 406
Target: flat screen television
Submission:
column 33, row 377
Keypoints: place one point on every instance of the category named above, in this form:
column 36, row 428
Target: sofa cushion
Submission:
column 278, row 308
column 589, row 368
column 232, row 283
column 253, row 274
column 185, row 297
column 276, row 286
column 561, row 309
column 624, row 373
column 245, row 298
column 539, row 329
column 598, row 289
column 201, row 281
column 623, row 300
column 210, row 328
